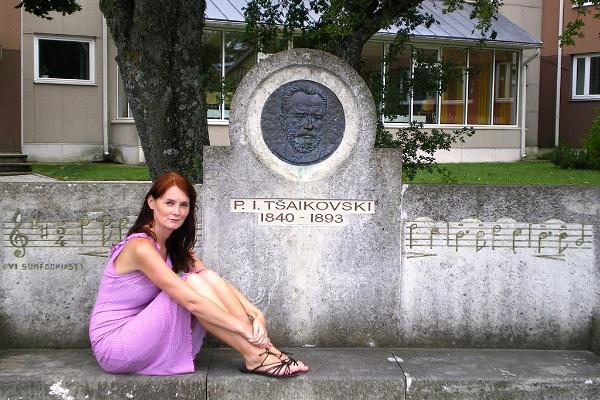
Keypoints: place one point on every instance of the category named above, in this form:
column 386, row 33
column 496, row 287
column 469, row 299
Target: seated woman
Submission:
column 149, row 320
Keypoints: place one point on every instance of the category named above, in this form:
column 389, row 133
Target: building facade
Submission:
column 10, row 79
column 576, row 83
column 74, row 106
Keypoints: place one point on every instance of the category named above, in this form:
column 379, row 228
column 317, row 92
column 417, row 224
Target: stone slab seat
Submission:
column 335, row 374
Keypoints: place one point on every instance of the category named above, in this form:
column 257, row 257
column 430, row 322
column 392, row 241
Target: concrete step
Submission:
column 14, row 168
column 14, row 164
column 409, row 374
column 13, row 158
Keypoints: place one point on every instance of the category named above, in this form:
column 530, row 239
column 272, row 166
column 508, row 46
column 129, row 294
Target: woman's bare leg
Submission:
column 253, row 355
column 230, row 297
column 223, row 291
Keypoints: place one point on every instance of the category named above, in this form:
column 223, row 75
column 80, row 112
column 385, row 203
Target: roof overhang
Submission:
column 455, row 28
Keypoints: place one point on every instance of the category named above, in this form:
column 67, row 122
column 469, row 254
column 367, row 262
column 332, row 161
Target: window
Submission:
column 123, row 110
column 228, row 57
column 371, row 65
column 212, row 44
column 397, row 88
column 586, row 77
column 63, row 59
column 453, row 98
column 505, row 87
column 479, row 104
column 425, row 88
column 240, row 57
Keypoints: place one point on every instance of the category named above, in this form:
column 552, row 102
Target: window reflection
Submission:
column 453, row 98
column 397, row 88
column 212, row 58
column 505, row 88
column 240, row 57
column 371, row 67
column 425, row 87
column 480, row 87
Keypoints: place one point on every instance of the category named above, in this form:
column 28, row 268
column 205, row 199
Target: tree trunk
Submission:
column 159, row 55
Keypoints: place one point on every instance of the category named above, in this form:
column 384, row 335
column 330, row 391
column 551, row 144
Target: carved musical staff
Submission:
column 549, row 239
column 91, row 233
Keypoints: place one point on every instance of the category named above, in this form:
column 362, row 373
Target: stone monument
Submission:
column 301, row 211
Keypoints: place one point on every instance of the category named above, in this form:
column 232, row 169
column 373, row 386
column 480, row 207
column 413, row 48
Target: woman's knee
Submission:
column 211, row 277
column 198, row 283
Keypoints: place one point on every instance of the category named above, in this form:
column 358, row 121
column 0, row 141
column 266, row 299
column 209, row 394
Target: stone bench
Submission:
column 335, row 374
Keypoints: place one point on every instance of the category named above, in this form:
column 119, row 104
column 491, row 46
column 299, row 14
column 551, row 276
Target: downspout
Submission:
column 21, row 85
column 524, row 100
column 558, row 74
column 105, row 88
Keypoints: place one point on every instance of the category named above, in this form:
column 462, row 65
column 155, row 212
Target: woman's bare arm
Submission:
column 144, row 255
column 251, row 310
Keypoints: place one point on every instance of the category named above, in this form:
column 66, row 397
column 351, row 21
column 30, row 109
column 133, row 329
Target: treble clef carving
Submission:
column 17, row 239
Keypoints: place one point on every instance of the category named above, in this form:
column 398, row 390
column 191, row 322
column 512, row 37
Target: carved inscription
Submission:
column 91, row 233
column 552, row 239
column 306, row 212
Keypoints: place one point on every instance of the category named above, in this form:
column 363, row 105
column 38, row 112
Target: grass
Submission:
column 92, row 171
column 518, row 173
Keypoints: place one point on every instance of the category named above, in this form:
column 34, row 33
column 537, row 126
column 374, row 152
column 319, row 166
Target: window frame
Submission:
column 586, row 79
column 62, row 81
column 118, row 103
column 439, row 48
column 490, row 125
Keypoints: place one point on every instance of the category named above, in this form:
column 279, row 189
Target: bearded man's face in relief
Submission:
column 303, row 121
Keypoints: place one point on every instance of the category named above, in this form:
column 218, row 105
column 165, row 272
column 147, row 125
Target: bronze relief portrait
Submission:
column 302, row 122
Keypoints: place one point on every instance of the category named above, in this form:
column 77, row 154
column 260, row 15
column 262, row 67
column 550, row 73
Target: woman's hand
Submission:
column 198, row 265
column 259, row 333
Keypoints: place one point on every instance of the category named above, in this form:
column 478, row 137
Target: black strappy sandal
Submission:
column 279, row 369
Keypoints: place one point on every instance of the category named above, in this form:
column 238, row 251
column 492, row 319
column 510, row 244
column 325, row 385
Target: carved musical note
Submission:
column 479, row 235
column 434, row 231
column 496, row 229
column 16, row 238
column 459, row 235
column 581, row 240
column 410, row 235
column 541, row 236
column 105, row 222
column 83, row 222
column 515, row 233
column 122, row 224
column 562, row 237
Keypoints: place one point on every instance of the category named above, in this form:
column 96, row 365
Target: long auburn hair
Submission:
column 182, row 240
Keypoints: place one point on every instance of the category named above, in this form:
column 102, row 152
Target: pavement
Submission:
column 26, row 178
column 334, row 374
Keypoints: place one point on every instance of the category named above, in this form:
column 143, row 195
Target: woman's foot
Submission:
column 285, row 356
column 273, row 363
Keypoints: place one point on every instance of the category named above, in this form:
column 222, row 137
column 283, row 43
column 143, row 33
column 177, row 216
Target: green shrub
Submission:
column 588, row 157
column 592, row 144
column 567, row 157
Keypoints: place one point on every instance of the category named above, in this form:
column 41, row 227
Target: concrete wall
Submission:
column 63, row 122
column 450, row 295
column 488, row 144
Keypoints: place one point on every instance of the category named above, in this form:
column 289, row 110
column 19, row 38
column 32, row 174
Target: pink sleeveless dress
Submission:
column 137, row 328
